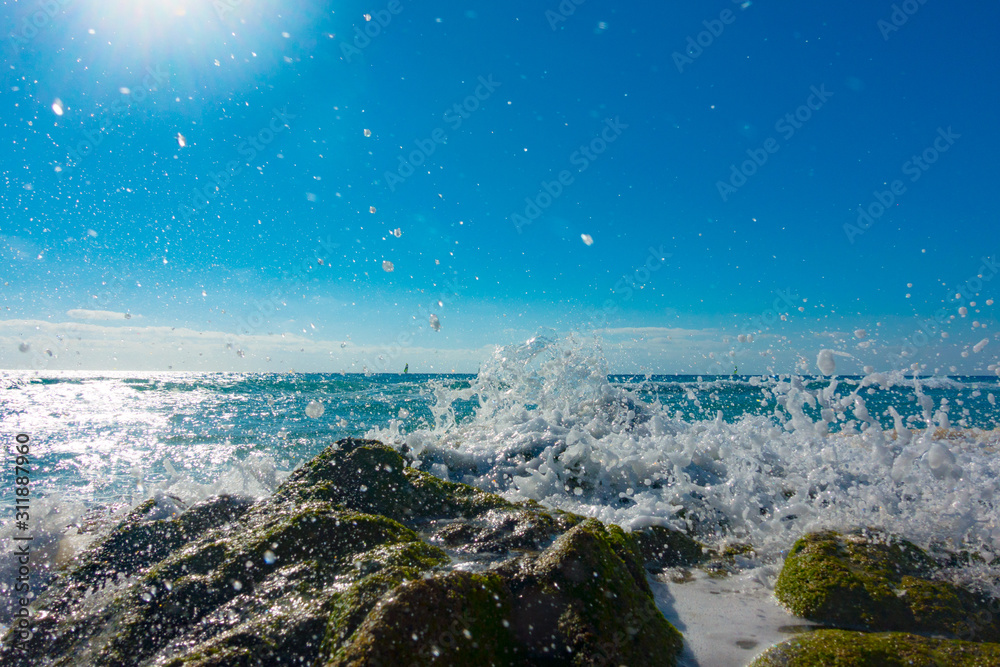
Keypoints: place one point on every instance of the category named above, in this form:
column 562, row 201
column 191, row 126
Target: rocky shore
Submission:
column 358, row 559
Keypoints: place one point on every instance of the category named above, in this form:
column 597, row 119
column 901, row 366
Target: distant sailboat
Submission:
column 406, row 369
column 735, row 370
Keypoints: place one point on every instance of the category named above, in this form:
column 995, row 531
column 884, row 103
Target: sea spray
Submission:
column 548, row 425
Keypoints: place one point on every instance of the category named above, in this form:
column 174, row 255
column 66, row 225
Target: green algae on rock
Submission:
column 332, row 569
column 662, row 547
column 871, row 581
column 842, row 648
column 587, row 595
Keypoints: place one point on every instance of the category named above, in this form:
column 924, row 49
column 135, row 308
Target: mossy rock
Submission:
column 455, row 619
column 663, row 547
column 586, row 601
column 505, row 529
column 872, row 581
column 841, row 648
column 330, row 570
column 367, row 476
column 309, row 548
column 138, row 542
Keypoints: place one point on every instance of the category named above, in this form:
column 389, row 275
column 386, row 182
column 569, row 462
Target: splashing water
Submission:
column 547, row 424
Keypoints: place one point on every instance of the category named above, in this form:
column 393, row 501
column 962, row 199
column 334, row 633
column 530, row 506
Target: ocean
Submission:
column 731, row 459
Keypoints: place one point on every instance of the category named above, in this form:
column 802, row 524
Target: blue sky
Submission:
column 253, row 246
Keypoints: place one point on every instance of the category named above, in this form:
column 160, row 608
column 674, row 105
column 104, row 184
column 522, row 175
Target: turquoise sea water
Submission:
column 98, row 435
column 737, row 458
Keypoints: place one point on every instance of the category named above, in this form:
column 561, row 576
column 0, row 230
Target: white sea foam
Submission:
column 549, row 426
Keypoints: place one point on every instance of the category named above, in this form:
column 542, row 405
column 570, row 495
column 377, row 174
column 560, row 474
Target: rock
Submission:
column 367, row 476
column 505, row 529
column 586, row 601
column 139, row 541
column 454, row 619
column 334, row 569
column 831, row 648
column 662, row 547
column 871, row 581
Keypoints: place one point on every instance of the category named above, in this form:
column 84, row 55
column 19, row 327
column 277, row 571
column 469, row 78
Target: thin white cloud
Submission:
column 84, row 314
column 41, row 345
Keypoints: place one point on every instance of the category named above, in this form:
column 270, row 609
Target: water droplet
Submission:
column 387, row 266
column 315, row 409
column 269, row 557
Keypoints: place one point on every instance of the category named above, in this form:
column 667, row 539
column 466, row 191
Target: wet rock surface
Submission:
column 887, row 599
column 871, row 581
column 350, row 562
column 841, row 648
